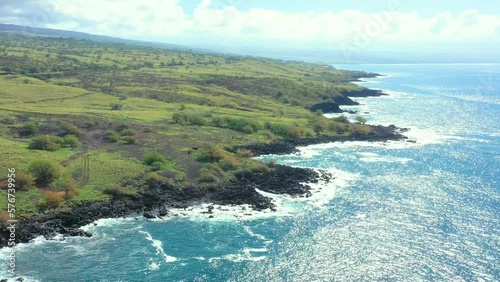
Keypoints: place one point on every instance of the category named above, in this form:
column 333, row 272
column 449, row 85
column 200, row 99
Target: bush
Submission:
column 70, row 129
column 122, row 126
column 46, row 143
column 112, row 136
column 259, row 167
column 230, row 163
column 318, row 123
column 238, row 124
column 342, row 119
column 52, row 199
column 65, row 184
column 358, row 129
column 114, row 190
column 211, row 173
column 44, row 172
column 129, row 140
column 28, row 129
column 116, row 106
column 157, row 162
column 127, row 132
column 155, row 180
column 24, row 181
column 151, row 158
column 72, row 141
column 338, row 127
column 188, row 119
column 360, row 119
column 211, row 154
column 244, row 153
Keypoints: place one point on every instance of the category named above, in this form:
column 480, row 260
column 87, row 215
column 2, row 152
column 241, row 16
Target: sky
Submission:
column 468, row 30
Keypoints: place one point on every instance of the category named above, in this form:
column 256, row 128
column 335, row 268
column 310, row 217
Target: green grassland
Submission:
column 177, row 104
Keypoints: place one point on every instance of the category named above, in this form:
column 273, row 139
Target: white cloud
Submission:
column 166, row 18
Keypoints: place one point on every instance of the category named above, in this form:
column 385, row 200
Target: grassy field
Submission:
column 122, row 102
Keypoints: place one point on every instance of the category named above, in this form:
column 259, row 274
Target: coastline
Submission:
column 156, row 202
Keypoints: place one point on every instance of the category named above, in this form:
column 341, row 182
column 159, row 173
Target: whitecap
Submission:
column 158, row 245
column 249, row 231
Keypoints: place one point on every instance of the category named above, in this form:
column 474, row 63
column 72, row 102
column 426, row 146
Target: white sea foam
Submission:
column 258, row 236
column 154, row 266
column 106, row 222
column 158, row 245
column 245, row 255
column 373, row 158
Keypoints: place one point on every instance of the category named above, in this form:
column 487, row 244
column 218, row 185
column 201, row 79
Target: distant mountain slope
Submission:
column 88, row 36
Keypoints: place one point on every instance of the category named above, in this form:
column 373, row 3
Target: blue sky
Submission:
column 460, row 29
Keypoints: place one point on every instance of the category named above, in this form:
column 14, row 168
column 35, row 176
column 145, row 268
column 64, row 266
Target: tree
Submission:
column 45, row 172
column 360, row 119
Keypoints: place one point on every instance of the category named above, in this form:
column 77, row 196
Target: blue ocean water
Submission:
column 398, row 211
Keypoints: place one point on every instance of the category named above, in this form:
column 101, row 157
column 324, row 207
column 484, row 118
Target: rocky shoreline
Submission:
column 379, row 134
column 345, row 100
column 157, row 199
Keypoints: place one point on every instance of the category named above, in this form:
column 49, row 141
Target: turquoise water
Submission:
column 396, row 212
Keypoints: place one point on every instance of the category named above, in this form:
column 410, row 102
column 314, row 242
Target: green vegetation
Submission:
column 46, row 143
column 44, row 172
column 157, row 162
column 107, row 119
column 28, row 129
column 360, row 119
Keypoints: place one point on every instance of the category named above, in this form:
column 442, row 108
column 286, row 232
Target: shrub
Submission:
column 46, row 143
column 188, row 119
column 72, row 141
column 24, row 181
column 286, row 130
column 211, row 154
column 154, row 180
column 45, row 172
column 28, row 129
column 242, row 124
column 157, row 162
column 358, row 129
column 112, row 136
column 65, row 184
column 122, row 127
column 230, row 163
column 116, row 106
column 259, row 167
column 70, row 129
column 52, row 199
column 342, row 119
column 244, row 153
column 337, row 127
column 360, row 119
column 71, row 194
column 127, row 132
column 114, row 190
column 129, row 140
column 211, row 173
column 151, row 158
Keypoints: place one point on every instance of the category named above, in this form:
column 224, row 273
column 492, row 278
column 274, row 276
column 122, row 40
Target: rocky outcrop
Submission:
column 326, row 107
column 380, row 133
column 156, row 200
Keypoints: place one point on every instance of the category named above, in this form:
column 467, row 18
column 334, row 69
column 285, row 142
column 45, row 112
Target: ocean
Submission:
column 427, row 210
